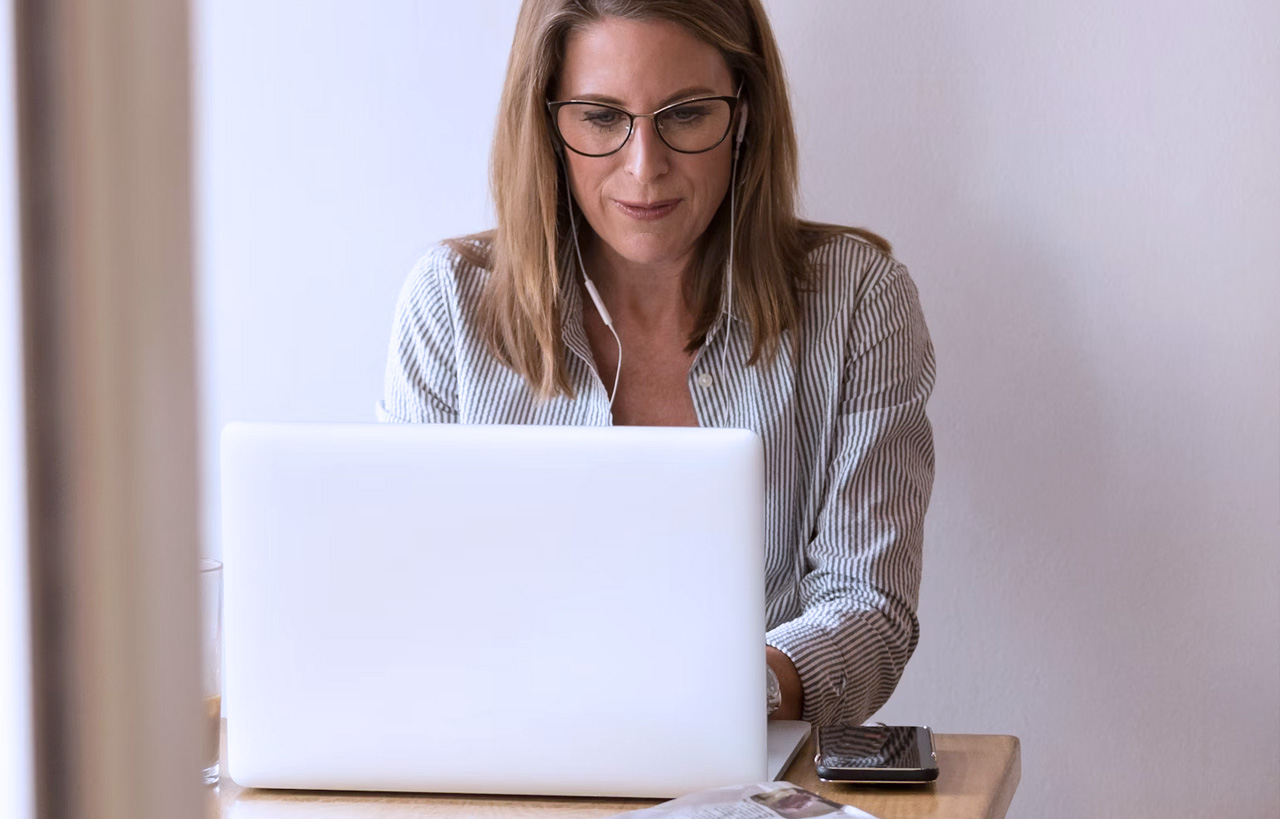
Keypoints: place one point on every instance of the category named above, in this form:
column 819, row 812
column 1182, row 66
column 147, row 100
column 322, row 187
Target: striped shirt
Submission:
column 841, row 411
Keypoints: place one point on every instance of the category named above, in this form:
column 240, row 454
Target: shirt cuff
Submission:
column 820, row 664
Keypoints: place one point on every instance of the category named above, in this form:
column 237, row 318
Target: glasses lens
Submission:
column 592, row 129
column 698, row 125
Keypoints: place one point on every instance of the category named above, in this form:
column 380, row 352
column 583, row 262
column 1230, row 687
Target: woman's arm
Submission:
column 859, row 592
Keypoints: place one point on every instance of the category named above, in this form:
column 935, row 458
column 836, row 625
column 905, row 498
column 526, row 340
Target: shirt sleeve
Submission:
column 861, row 581
column 421, row 383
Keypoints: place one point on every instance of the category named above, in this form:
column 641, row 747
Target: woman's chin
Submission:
column 649, row 250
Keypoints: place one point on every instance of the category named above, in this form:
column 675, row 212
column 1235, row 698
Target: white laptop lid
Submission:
column 493, row 609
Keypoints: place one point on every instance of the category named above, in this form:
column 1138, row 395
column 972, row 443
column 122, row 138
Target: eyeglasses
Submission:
column 689, row 127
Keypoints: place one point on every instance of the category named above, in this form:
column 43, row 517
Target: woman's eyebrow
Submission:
column 684, row 93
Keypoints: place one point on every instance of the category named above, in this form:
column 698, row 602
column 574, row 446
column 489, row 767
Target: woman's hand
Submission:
column 789, row 681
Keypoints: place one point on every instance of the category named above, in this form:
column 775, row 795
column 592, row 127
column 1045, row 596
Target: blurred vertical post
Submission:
column 104, row 154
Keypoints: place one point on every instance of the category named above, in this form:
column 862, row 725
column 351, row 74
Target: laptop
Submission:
column 495, row 609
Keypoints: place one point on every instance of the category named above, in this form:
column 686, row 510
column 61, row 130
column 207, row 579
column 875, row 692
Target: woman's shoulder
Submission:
column 845, row 266
column 473, row 252
column 454, row 270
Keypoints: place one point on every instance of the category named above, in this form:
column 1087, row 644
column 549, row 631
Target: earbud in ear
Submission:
column 742, row 125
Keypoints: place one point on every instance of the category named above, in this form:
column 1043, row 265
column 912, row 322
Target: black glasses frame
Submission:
column 554, row 109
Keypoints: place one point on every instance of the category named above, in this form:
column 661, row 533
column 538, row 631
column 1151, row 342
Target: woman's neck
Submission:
column 645, row 295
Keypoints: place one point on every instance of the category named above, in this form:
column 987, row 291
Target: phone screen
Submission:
column 872, row 746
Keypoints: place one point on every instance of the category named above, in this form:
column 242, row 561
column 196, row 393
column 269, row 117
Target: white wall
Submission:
column 335, row 138
column 16, row 772
column 1087, row 196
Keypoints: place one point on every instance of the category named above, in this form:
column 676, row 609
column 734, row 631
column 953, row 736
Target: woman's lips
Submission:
column 647, row 211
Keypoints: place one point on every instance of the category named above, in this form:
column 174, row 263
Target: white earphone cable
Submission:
column 733, row 228
column 591, row 287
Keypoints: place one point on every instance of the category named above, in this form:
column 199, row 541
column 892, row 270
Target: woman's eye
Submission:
column 601, row 117
column 687, row 114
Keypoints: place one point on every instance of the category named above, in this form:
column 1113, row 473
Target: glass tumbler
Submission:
column 211, row 665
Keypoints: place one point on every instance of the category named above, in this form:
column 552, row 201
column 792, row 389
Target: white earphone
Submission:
column 591, row 286
column 733, row 228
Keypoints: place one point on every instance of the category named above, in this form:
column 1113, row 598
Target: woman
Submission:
column 668, row 122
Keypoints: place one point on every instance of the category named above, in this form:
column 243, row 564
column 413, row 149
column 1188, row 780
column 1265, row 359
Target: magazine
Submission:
column 766, row 800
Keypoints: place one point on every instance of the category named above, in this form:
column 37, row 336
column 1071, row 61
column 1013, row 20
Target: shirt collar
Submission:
column 572, row 329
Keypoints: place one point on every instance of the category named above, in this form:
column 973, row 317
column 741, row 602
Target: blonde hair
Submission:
column 529, row 252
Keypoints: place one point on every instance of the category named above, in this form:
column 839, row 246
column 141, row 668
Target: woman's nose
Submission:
column 648, row 155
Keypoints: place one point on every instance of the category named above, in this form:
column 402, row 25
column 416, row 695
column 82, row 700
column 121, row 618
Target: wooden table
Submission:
column 977, row 775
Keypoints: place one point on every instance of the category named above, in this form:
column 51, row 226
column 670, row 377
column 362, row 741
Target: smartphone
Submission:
column 876, row 753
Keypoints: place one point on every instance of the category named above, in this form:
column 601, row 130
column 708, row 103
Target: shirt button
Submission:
column 705, row 380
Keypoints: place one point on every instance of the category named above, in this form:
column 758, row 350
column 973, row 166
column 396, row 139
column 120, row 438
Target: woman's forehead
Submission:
column 640, row 63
